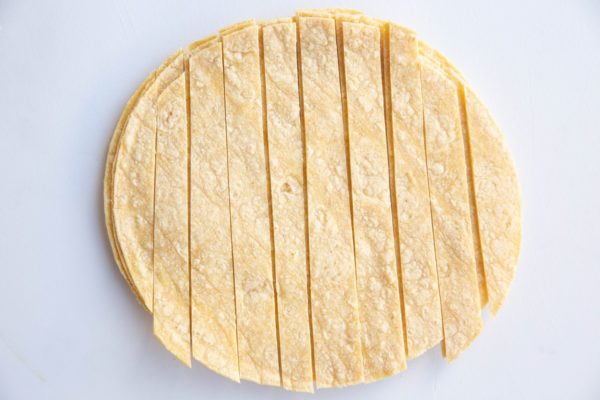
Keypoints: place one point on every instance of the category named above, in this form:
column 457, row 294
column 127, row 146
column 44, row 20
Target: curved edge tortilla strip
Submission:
column 455, row 257
column 171, row 259
column 335, row 317
column 376, row 268
column 108, row 183
column 124, row 130
column 417, row 253
column 214, row 337
column 287, row 191
column 499, row 221
column 498, row 200
column 251, row 230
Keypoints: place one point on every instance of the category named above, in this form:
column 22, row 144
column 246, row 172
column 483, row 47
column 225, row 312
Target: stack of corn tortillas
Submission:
column 312, row 200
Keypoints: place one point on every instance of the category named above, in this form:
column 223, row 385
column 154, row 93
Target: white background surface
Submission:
column 71, row 329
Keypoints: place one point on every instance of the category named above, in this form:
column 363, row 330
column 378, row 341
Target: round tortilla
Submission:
column 495, row 203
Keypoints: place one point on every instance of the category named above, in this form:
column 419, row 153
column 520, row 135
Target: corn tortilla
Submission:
column 312, row 198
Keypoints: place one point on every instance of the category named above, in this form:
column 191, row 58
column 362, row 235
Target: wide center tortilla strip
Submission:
column 287, row 192
column 171, row 309
column 455, row 258
column 251, row 230
column 376, row 265
column 335, row 319
column 214, row 337
column 159, row 77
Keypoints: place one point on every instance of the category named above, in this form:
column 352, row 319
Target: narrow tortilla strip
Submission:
column 133, row 184
column 255, row 297
column 461, row 313
column 335, row 319
column 498, row 199
column 417, row 253
column 171, row 267
column 376, row 267
column 214, row 340
column 287, row 191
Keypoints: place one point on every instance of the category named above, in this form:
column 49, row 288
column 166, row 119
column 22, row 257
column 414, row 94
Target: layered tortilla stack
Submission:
column 312, row 200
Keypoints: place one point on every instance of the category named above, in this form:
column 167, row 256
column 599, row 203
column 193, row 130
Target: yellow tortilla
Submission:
column 417, row 253
column 255, row 297
column 335, row 319
column 344, row 183
column 376, row 267
column 457, row 273
column 214, row 338
column 287, row 191
column 171, row 259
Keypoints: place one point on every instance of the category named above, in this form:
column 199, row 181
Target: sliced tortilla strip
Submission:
column 335, row 319
column 422, row 310
column 496, row 188
column 457, row 272
column 286, row 161
column 376, row 266
column 171, row 259
column 498, row 199
column 435, row 58
column 255, row 297
column 108, row 181
column 214, row 340
column 132, row 205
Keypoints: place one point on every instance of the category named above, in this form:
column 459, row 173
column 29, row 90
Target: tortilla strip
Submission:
column 214, row 340
column 132, row 206
column 255, row 297
column 376, row 266
column 459, row 293
column 108, row 181
column 498, row 199
column 494, row 177
column 171, row 259
column 287, row 191
column 435, row 58
column 417, row 253
column 335, row 319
